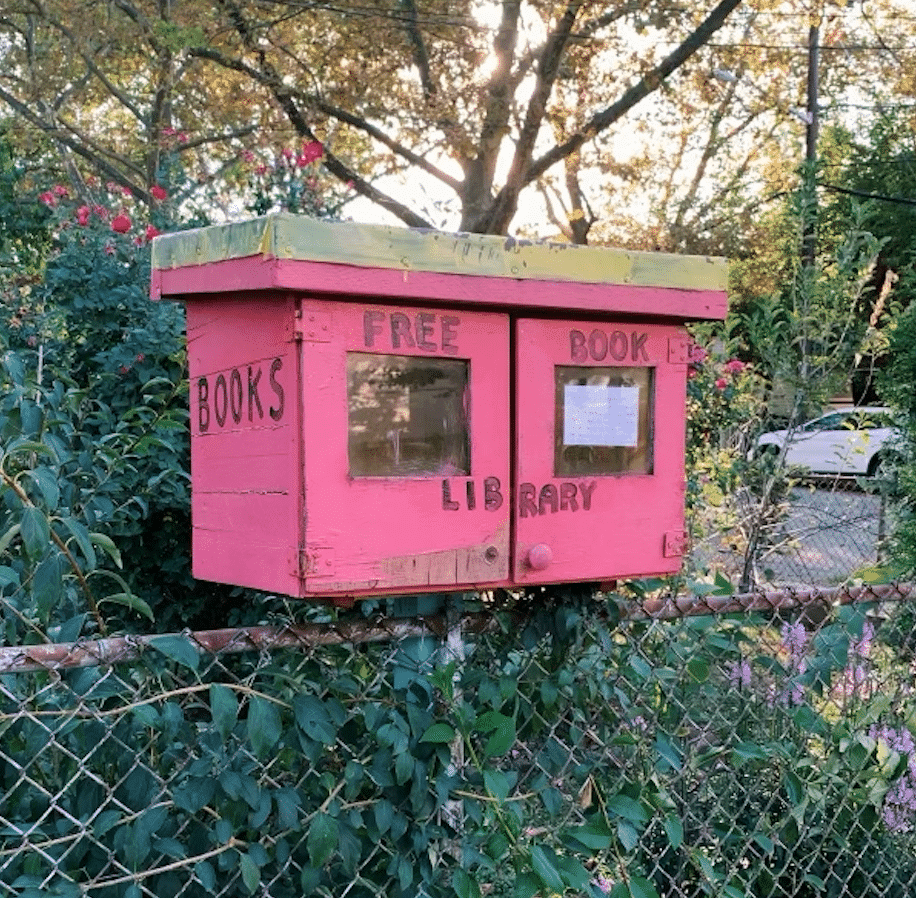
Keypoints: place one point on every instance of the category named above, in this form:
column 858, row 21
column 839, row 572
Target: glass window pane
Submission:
column 603, row 421
column 407, row 416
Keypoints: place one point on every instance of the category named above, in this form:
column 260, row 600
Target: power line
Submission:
column 835, row 48
column 898, row 200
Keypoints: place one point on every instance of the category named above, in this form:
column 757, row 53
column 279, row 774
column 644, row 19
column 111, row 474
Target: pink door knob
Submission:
column 539, row 556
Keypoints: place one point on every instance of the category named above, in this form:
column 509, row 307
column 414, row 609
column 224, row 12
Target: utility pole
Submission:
column 809, row 242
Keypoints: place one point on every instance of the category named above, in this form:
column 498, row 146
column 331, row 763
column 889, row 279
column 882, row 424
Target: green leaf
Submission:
column 251, row 873
column 668, row 752
column 526, row 886
column 206, row 875
column 497, row 783
column 464, row 886
column 503, row 729
column 543, row 860
column 574, row 874
column 104, row 822
column 642, row 888
column 107, row 544
column 170, row 848
column 640, row 666
column 749, row 751
column 48, row 584
column 224, row 708
column 8, row 537
column 627, row 835
column 765, row 842
column 383, row 812
column 129, row 600
column 194, row 793
column 147, row 715
column 70, row 629
column 288, row 803
column 314, row 720
column 441, row 733
column 592, row 836
column 46, row 481
column 628, row 808
column 403, row 767
column 80, row 533
column 35, row 531
column 309, row 880
column 264, row 727
column 177, row 648
column 322, row 839
column 698, row 668
column 674, row 830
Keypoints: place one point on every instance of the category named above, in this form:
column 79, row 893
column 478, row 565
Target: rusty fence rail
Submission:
column 122, row 649
column 706, row 745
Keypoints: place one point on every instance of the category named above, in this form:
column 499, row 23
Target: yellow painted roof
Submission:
column 286, row 236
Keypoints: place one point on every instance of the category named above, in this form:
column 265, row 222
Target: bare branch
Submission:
column 500, row 214
column 480, row 171
column 77, row 143
column 418, row 46
column 639, row 91
column 124, row 99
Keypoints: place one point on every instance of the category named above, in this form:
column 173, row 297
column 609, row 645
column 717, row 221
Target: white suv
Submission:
column 852, row 440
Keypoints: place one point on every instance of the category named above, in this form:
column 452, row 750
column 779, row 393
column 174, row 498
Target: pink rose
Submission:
column 82, row 215
column 158, row 193
column 721, row 383
column 120, row 223
column 311, row 152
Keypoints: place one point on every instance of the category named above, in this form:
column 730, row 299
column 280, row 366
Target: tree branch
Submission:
column 639, row 91
column 125, row 100
column 268, row 76
column 479, row 172
column 376, row 133
column 418, row 45
column 500, row 213
column 62, row 133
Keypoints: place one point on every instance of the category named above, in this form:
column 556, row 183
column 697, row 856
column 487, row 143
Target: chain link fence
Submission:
column 555, row 743
column 822, row 531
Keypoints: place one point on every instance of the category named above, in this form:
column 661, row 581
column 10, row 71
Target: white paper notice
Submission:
column 600, row 416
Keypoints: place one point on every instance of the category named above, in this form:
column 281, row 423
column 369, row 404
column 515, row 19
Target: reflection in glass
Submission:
column 603, row 421
column 407, row 415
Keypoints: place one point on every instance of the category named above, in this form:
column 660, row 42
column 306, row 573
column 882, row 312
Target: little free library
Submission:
column 377, row 410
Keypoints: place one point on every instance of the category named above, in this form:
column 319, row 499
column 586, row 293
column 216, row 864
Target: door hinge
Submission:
column 675, row 544
column 312, row 326
column 678, row 350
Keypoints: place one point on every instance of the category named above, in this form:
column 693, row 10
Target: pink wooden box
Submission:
column 378, row 410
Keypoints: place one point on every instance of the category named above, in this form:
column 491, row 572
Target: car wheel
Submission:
column 882, row 465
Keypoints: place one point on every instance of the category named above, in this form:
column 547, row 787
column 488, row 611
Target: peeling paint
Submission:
column 285, row 236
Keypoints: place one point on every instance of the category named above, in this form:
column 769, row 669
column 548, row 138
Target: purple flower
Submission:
column 739, row 674
column 899, row 809
column 795, row 639
column 862, row 647
column 603, row 883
